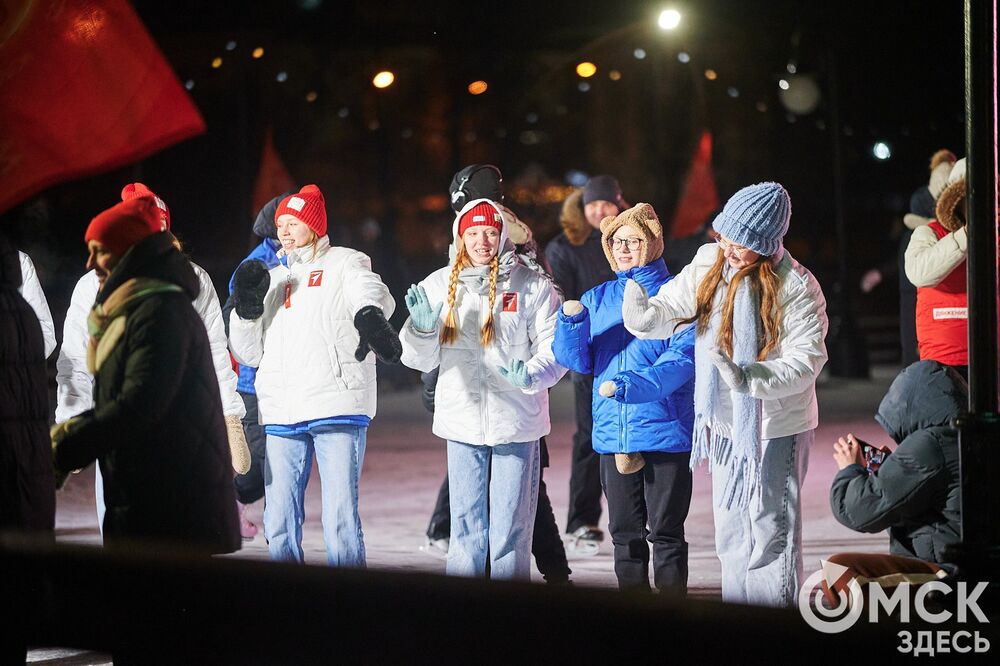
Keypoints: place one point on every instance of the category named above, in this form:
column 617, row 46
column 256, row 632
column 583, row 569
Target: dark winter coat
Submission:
column 157, row 428
column 578, row 268
column 915, row 493
column 27, row 486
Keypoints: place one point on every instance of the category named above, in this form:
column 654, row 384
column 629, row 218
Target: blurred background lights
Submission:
column 583, row 86
column 783, row 84
column 281, row 77
column 230, row 45
column 614, row 75
column 683, row 57
column 711, row 74
column 586, row 69
column 477, row 87
column 881, row 151
column 639, row 54
column 258, row 53
column 216, row 63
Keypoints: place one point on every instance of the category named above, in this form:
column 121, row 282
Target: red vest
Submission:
column 943, row 316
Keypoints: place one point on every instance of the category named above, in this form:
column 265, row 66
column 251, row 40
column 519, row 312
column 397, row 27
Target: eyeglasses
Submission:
column 632, row 243
column 737, row 250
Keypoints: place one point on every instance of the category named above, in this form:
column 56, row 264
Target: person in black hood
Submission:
column 27, row 489
column 915, row 493
column 157, row 427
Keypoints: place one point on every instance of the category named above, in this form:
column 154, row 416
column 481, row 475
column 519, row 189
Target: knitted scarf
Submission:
column 741, row 453
column 106, row 321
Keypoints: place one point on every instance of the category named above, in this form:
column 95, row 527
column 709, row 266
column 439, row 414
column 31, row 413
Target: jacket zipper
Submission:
column 622, row 414
column 483, row 421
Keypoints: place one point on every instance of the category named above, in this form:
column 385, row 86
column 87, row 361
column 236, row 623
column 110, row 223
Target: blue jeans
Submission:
column 340, row 453
column 494, row 494
column 760, row 546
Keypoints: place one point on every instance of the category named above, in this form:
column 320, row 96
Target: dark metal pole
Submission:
column 979, row 431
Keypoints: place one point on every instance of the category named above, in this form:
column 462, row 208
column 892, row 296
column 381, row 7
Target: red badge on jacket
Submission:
column 316, row 278
column 509, row 300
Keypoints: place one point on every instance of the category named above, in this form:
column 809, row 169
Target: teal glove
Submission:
column 423, row 317
column 517, row 374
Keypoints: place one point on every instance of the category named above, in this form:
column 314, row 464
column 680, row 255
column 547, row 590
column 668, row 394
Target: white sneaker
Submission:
column 584, row 541
column 436, row 548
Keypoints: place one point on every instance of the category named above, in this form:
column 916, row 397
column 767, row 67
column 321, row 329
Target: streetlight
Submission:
column 383, row 79
column 669, row 19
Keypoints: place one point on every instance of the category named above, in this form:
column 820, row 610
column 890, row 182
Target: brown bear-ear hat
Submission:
column 951, row 197
column 643, row 219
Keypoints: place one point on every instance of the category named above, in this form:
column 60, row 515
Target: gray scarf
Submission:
column 742, row 454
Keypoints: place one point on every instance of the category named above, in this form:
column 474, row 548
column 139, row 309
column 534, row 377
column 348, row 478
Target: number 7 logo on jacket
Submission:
column 315, row 279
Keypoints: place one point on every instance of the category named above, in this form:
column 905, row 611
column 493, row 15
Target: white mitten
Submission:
column 637, row 314
column 608, row 389
column 571, row 308
column 731, row 373
column 238, row 449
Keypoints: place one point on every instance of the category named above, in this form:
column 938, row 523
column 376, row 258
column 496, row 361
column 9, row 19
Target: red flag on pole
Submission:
column 272, row 177
column 83, row 89
column 699, row 198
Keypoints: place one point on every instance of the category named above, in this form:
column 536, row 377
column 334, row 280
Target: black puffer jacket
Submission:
column 27, row 487
column 915, row 493
column 157, row 428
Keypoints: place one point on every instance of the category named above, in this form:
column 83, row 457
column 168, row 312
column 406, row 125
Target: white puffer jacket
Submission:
column 75, row 385
column 303, row 347
column 929, row 260
column 475, row 404
column 785, row 381
column 32, row 292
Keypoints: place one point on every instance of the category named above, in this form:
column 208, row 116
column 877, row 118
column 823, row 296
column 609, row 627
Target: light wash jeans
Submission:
column 340, row 453
column 760, row 546
column 494, row 494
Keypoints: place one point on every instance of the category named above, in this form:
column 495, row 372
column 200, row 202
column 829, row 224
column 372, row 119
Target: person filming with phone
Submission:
column 914, row 491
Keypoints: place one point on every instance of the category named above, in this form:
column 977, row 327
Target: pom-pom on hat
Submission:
column 137, row 190
column 307, row 205
column 642, row 218
column 482, row 214
column 756, row 217
column 125, row 224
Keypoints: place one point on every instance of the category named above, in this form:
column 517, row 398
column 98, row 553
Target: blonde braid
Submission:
column 449, row 332
column 486, row 334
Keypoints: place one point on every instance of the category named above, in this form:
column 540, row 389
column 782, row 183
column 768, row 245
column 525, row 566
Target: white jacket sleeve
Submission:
column 32, row 292
column 802, row 346
column 246, row 339
column 366, row 287
column 676, row 299
column 422, row 351
column 928, row 260
column 74, row 384
column 542, row 317
column 207, row 306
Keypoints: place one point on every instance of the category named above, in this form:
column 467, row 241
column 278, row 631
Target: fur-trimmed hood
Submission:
column 643, row 219
column 574, row 220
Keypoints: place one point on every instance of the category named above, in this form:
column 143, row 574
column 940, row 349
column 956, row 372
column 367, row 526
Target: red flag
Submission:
column 699, row 198
column 83, row 89
column 272, row 177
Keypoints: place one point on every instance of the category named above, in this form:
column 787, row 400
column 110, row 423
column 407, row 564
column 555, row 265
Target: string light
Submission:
column 478, row 87
column 217, row 63
column 230, row 45
column 683, row 57
column 639, row 54
column 258, row 53
column 711, row 74
column 189, row 84
column 783, row 84
column 586, row 70
column 615, row 75
column 311, row 96
column 281, row 77
column 583, row 86
column 383, row 79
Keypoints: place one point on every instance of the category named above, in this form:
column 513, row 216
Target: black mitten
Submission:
column 377, row 335
column 249, row 288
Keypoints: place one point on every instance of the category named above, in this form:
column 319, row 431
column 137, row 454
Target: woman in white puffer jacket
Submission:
column 488, row 322
column 759, row 346
column 309, row 326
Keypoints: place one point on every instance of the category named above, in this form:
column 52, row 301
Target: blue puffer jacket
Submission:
column 654, row 407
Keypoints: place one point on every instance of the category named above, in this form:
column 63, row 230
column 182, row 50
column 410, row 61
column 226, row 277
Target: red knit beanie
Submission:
column 482, row 214
column 308, row 205
column 125, row 224
column 136, row 190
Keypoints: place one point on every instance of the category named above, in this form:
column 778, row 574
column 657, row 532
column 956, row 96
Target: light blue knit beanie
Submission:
column 756, row 217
